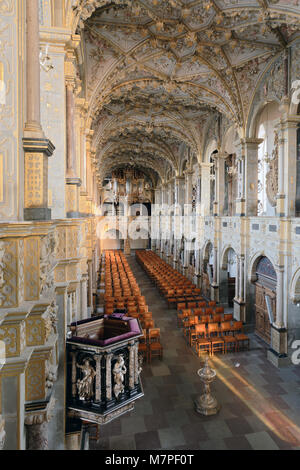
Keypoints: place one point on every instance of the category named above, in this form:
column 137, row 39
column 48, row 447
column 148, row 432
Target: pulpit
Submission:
column 103, row 368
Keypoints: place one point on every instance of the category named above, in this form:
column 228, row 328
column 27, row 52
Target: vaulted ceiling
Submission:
column 159, row 74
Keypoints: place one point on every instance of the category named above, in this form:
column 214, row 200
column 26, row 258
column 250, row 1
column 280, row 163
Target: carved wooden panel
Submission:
column 262, row 323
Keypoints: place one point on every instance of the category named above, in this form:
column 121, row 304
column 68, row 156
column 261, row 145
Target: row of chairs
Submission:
column 205, row 325
column 120, row 283
column 174, row 286
column 150, row 344
column 207, row 315
column 122, row 293
column 214, row 337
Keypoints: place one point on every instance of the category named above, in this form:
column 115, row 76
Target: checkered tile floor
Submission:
column 260, row 404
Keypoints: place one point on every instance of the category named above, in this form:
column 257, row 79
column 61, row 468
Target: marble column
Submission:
column 215, row 286
column 239, row 306
column 83, row 297
column 205, row 189
column 241, row 280
column 251, row 175
column 90, row 286
column 280, row 194
column 36, row 147
column 33, row 118
column 219, row 184
column 287, row 167
column 73, row 182
column 279, row 323
column 70, row 105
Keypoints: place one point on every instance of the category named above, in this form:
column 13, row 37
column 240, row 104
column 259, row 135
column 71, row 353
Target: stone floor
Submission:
column 260, row 404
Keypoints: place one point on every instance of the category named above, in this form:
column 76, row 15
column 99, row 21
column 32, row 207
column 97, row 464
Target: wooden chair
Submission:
column 197, row 333
column 143, row 346
column 212, row 303
column 155, row 347
column 243, row 341
column 217, row 318
column 217, row 342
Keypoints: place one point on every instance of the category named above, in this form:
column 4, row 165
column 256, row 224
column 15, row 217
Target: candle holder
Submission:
column 206, row 404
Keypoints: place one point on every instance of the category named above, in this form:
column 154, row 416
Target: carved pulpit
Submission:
column 103, row 368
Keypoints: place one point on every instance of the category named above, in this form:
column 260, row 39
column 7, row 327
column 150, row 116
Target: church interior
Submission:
column 149, row 225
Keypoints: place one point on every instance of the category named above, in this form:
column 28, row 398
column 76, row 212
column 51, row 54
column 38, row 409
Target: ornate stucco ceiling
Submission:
column 158, row 73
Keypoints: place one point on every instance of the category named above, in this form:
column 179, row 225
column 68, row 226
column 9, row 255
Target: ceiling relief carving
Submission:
column 158, row 71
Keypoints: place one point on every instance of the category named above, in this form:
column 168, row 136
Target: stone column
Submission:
column 36, row 422
column 90, row 286
column 215, row 286
column 205, row 188
column 83, row 297
column 287, row 167
column 239, row 306
column 240, row 201
column 37, row 148
column 251, row 174
column 33, row 119
column 277, row 353
column 219, row 184
column 73, row 182
column 242, row 274
column 279, row 323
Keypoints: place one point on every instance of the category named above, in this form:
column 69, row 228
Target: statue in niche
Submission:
column 85, row 385
column 119, row 372
column 140, row 363
column 272, row 175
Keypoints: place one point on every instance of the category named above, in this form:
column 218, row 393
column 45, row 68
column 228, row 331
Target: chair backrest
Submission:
column 149, row 324
column 202, row 304
column 209, row 311
column 198, row 311
column 225, row 326
column 219, row 309
column 154, row 334
column 217, row 318
column 181, row 305
column 212, row 328
column 212, row 303
column 192, row 304
column 228, row 316
column 200, row 328
column 238, row 325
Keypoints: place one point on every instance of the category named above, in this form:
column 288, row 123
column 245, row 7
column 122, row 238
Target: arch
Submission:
column 225, row 256
column 295, row 287
column 211, row 147
column 206, row 250
column 254, row 262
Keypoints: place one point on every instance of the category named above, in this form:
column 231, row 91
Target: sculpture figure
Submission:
column 85, row 385
column 119, row 372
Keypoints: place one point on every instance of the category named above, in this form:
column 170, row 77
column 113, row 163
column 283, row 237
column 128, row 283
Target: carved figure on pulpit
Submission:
column 119, row 372
column 85, row 385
